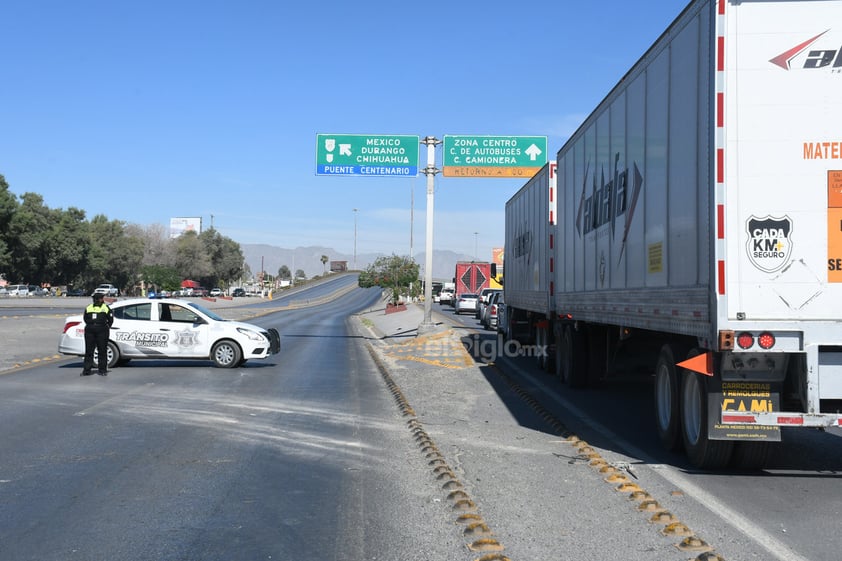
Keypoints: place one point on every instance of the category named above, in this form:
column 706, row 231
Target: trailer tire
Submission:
column 558, row 360
column 597, row 350
column 542, row 342
column 702, row 452
column 667, row 404
column 574, row 357
column 751, row 456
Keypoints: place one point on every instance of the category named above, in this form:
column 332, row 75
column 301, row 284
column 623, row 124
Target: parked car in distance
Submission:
column 238, row 292
column 18, row 290
column 107, row 290
column 3, row 291
column 467, row 302
column 216, row 292
column 173, row 329
column 489, row 314
column 483, row 301
column 502, row 324
column 76, row 292
column 446, row 296
column 35, row 290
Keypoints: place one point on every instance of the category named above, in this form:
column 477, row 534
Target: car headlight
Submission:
column 253, row 335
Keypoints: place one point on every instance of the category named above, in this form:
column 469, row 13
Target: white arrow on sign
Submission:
column 345, row 150
column 533, row 152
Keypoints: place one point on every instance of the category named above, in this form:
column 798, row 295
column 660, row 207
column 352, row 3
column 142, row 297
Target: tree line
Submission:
column 61, row 247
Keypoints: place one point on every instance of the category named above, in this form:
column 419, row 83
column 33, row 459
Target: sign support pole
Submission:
column 427, row 326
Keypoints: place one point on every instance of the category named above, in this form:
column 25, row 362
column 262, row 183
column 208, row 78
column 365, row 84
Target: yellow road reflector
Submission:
column 486, row 544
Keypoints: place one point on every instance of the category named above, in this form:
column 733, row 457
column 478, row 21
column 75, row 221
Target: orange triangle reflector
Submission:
column 703, row 364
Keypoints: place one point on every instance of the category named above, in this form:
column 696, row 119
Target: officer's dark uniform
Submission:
column 98, row 319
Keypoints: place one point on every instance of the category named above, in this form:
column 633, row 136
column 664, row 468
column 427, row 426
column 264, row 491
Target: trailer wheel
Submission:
column 597, row 351
column 667, row 383
column 558, row 360
column 702, row 452
column 574, row 357
column 751, row 456
column 542, row 343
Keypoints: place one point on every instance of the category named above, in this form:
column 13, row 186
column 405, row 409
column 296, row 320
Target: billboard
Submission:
column 180, row 225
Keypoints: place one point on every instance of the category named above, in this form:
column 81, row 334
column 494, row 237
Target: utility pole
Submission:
column 475, row 246
column 355, row 239
column 430, row 171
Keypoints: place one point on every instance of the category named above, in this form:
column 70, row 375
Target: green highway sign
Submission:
column 367, row 154
column 493, row 156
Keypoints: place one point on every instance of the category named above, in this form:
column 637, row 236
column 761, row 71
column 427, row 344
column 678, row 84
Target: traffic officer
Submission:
column 98, row 319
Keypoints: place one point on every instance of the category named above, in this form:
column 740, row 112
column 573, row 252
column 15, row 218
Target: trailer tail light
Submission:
column 766, row 340
column 726, row 340
column 745, row 340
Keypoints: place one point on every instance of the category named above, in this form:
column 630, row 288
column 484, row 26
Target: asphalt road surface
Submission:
column 330, row 451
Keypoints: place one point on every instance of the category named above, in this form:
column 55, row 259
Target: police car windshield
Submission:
column 207, row 312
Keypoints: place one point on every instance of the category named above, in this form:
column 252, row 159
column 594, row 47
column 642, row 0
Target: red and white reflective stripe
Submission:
column 719, row 145
column 552, row 204
column 781, row 419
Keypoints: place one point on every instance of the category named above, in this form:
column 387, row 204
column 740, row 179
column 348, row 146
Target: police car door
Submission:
column 135, row 332
column 186, row 332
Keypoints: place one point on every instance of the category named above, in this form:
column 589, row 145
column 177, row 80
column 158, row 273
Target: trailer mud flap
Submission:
column 759, row 397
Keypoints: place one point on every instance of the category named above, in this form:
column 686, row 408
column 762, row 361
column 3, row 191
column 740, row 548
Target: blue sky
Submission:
column 145, row 111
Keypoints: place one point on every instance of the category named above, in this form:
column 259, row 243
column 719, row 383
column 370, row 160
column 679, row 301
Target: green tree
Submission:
column 115, row 256
column 226, row 258
column 191, row 258
column 29, row 230
column 39, row 244
column 8, row 206
column 161, row 277
column 69, row 244
column 284, row 273
column 396, row 274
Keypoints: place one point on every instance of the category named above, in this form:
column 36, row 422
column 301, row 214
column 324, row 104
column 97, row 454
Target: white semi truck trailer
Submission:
column 698, row 231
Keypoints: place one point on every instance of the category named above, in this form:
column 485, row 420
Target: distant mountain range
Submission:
column 308, row 259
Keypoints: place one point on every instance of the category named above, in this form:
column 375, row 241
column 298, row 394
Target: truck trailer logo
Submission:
column 523, row 242
column 816, row 58
column 769, row 243
column 609, row 200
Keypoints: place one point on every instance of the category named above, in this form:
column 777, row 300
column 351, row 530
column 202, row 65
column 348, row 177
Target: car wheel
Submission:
column 226, row 354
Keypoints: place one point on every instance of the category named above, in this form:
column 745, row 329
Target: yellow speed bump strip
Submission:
column 613, row 476
column 475, row 526
column 444, row 349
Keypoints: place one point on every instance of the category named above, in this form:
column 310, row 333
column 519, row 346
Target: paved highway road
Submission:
column 308, row 455
column 297, row 457
column 789, row 511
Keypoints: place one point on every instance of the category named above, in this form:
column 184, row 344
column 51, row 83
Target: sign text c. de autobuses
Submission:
column 487, row 150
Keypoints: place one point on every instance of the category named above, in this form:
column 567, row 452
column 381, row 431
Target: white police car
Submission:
column 171, row 328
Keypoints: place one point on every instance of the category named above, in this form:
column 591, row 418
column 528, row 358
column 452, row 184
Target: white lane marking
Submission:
column 735, row 519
